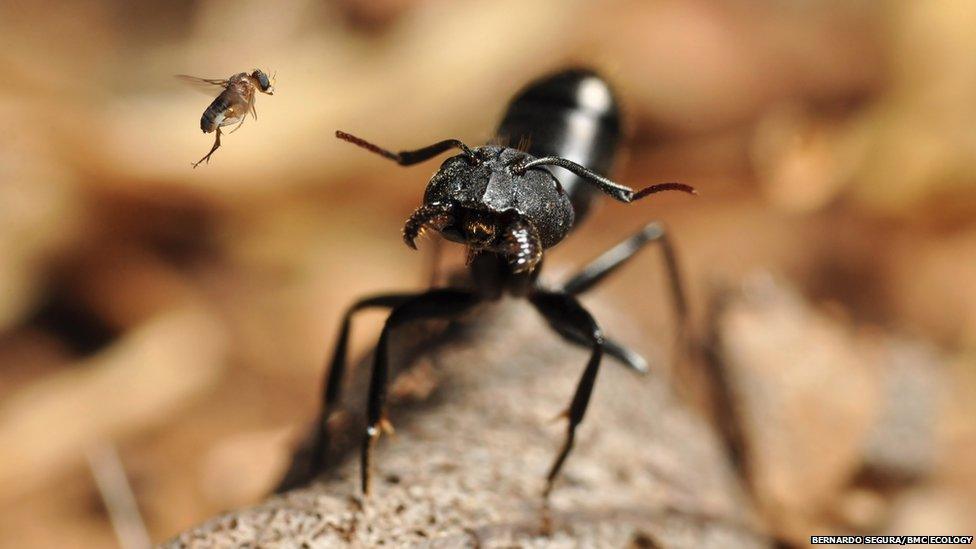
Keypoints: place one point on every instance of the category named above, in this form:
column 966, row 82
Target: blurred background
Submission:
column 168, row 326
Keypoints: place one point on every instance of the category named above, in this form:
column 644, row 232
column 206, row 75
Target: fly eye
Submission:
column 262, row 79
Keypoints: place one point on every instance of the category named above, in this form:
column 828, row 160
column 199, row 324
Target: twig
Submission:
column 123, row 510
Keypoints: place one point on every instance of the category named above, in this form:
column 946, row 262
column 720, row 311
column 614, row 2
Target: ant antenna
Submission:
column 608, row 186
column 407, row 158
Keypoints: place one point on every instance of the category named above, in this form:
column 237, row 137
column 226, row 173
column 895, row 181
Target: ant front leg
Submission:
column 560, row 308
column 332, row 388
column 607, row 263
column 209, row 154
column 433, row 304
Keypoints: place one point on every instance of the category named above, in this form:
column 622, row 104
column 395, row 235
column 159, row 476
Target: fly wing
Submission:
column 205, row 85
column 230, row 107
column 248, row 98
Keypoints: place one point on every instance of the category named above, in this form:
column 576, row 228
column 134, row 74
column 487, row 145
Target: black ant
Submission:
column 507, row 206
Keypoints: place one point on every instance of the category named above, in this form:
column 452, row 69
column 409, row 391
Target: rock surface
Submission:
column 466, row 467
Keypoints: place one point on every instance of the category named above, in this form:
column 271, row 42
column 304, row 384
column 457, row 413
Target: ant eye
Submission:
column 482, row 155
column 475, row 157
column 518, row 166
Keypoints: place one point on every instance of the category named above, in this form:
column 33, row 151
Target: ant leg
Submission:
column 564, row 308
column 443, row 303
column 627, row 357
column 215, row 147
column 408, row 158
column 332, row 388
column 624, row 355
column 607, row 263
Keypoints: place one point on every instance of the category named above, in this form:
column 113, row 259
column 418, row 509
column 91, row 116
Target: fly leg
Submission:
column 215, row 147
column 239, row 124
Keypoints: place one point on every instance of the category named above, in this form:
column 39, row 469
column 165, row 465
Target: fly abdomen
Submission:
column 213, row 115
column 572, row 114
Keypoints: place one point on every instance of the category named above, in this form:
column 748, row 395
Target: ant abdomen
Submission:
column 572, row 114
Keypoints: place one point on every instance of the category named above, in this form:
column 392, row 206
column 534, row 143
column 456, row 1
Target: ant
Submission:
column 507, row 206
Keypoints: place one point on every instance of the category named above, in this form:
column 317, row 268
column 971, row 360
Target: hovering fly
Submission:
column 233, row 104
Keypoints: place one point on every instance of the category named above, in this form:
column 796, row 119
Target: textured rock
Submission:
column 466, row 468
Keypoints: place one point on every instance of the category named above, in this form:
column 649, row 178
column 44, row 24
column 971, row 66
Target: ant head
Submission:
column 486, row 190
column 264, row 83
column 499, row 199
